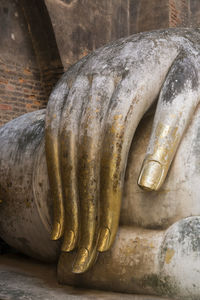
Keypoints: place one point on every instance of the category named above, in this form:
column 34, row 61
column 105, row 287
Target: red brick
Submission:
column 5, row 107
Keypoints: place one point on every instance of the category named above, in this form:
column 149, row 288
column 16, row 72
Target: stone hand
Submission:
column 91, row 118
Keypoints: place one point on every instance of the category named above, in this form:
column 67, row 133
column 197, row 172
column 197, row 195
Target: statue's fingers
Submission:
column 90, row 140
column 69, row 131
column 52, row 147
column 178, row 99
column 122, row 119
column 53, row 117
column 126, row 109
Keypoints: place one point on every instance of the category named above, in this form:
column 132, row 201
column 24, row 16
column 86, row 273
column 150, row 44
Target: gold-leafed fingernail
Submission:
column 68, row 242
column 104, row 239
column 81, row 261
column 151, row 175
column 57, row 231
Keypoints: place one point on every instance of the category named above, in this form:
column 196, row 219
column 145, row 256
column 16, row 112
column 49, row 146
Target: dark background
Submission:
column 40, row 39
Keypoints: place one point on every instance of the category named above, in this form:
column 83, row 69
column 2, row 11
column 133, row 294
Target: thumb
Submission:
column 177, row 102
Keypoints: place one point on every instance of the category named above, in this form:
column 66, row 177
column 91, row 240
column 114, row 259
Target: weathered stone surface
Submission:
column 29, row 47
column 83, row 26
column 22, row 278
column 135, row 263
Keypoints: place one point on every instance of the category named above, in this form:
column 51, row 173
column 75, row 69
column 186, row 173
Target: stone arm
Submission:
column 161, row 262
column 91, row 119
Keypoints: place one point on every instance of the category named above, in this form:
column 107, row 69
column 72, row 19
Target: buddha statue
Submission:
column 99, row 157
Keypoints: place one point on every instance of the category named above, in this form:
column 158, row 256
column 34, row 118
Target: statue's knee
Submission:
column 179, row 259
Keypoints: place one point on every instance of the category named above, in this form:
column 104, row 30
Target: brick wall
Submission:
column 179, row 13
column 29, row 62
column 21, row 91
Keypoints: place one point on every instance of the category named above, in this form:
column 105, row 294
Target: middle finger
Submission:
column 90, row 139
